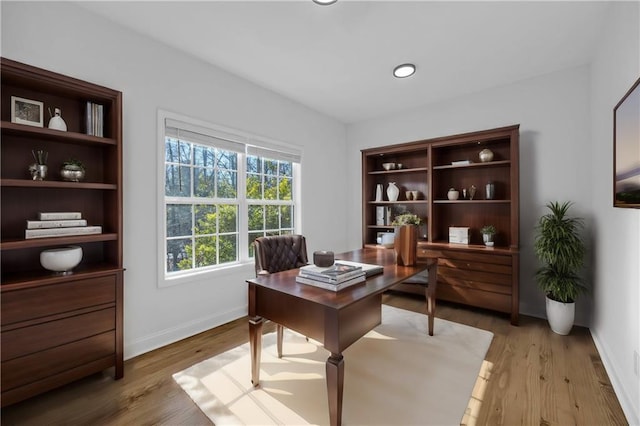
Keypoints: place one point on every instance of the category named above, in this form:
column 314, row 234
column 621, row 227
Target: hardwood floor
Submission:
column 531, row 377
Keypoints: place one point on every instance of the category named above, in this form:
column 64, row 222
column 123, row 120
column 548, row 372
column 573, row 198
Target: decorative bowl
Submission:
column 388, row 166
column 453, row 195
column 72, row 174
column 61, row 259
column 323, row 258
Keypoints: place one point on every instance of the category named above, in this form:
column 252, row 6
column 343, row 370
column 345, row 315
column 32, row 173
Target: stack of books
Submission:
column 334, row 278
column 59, row 224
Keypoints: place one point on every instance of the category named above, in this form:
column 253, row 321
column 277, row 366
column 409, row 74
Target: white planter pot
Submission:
column 560, row 316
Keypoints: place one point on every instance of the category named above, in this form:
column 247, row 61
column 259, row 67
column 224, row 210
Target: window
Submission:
column 222, row 190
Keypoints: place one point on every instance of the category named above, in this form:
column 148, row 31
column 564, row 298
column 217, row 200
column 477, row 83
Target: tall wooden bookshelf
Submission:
column 58, row 328
column 471, row 274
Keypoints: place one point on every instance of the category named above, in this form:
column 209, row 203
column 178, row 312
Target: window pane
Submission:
column 228, row 220
column 177, row 181
column 227, row 184
column 286, row 213
column 254, row 187
column 270, row 188
column 254, row 164
column 228, row 248
column 173, row 155
column 252, row 238
column 205, row 216
column 286, row 169
column 284, row 189
column 179, row 255
column 205, row 251
column 178, row 220
column 204, row 156
column 273, row 220
column 256, row 218
column 270, row 167
column 227, row 160
column 203, row 182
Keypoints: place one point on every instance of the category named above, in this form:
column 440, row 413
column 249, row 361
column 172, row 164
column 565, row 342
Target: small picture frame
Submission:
column 27, row 111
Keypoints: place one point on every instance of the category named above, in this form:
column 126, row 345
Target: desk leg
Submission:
column 431, row 295
column 335, row 385
column 280, row 336
column 255, row 344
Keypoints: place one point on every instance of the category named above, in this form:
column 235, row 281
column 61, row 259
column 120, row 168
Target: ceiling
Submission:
column 338, row 59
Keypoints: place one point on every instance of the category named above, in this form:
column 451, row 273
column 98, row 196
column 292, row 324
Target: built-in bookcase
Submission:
column 58, row 328
column 468, row 273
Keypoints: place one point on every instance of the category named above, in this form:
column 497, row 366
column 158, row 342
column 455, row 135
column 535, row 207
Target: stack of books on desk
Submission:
column 334, row 278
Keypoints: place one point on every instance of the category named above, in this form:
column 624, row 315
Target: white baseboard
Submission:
column 182, row 331
column 628, row 406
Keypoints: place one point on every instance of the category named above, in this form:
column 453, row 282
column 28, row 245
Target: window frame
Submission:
column 253, row 145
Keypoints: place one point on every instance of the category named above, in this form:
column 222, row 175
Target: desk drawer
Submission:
column 465, row 256
column 22, row 305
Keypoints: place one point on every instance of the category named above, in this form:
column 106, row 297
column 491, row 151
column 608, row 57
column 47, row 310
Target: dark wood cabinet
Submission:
column 472, row 273
column 57, row 328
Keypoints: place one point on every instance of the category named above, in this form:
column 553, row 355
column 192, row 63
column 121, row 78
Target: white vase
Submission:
column 392, row 191
column 379, row 192
column 56, row 122
column 560, row 316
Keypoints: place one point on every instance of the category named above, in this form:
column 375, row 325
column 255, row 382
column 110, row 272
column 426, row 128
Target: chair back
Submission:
column 279, row 253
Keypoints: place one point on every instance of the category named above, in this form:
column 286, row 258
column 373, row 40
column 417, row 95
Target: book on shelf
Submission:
column 59, row 215
column 62, row 232
column 337, row 272
column 94, row 119
column 68, row 223
column 461, row 163
column 332, row 287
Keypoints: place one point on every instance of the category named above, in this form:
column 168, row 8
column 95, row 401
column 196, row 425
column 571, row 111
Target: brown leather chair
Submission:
column 279, row 253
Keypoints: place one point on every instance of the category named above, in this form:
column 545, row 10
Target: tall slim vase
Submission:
column 406, row 245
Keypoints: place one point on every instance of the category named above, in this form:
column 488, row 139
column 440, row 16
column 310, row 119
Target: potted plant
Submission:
column 488, row 231
column 72, row 170
column 406, row 238
column 560, row 248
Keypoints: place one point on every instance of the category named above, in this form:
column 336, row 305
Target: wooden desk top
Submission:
column 392, row 274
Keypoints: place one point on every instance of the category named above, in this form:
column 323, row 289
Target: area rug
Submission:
column 395, row 375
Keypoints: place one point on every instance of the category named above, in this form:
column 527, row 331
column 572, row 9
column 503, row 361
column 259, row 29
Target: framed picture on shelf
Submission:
column 27, row 111
column 626, row 149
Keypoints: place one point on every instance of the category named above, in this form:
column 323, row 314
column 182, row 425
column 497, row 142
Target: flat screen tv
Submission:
column 626, row 150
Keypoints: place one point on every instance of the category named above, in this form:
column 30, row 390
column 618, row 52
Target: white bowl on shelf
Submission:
column 61, row 259
column 388, row 166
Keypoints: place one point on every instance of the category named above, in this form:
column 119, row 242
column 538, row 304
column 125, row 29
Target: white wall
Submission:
column 616, row 324
column 66, row 38
column 555, row 161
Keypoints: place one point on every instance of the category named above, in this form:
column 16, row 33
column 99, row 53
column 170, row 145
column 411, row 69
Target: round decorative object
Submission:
column 72, row 173
column 453, row 194
column 388, row 166
column 323, row 258
column 486, row 155
column 56, row 122
column 62, row 259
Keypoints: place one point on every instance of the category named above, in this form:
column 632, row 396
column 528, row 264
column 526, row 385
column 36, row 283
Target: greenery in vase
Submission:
column 406, row 219
column 559, row 246
column 488, row 230
column 73, row 164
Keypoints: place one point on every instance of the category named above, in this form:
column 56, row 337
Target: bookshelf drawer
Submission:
column 38, row 302
column 21, row 341
column 40, row 365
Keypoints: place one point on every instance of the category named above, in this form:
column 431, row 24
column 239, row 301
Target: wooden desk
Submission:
column 337, row 319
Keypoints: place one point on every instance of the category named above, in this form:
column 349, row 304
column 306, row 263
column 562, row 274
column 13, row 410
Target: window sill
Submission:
column 245, row 268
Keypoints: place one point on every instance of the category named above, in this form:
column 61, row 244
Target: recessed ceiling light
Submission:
column 404, row 70
column 324, row 2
